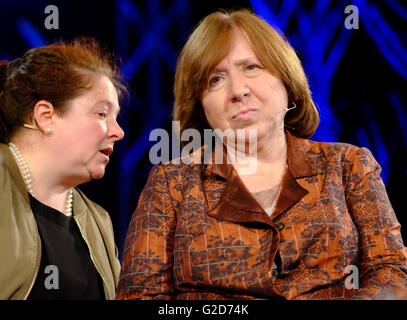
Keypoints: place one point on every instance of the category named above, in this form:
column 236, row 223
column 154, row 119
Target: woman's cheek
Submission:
column 103, row 127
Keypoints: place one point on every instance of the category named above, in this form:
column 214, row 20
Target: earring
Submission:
column 48, row 130
column 288, row 109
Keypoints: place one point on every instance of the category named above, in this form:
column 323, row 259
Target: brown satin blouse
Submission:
column 198, row 233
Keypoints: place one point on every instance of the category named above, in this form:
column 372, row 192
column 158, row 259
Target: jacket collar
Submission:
column 10, row 163
column 297, row 160
column 239, row 206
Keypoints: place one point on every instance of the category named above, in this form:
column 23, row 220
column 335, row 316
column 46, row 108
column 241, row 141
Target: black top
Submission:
column 66, row 271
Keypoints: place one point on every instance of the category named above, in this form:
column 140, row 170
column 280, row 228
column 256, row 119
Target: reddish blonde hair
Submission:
column 210, row 43
column 56, row 73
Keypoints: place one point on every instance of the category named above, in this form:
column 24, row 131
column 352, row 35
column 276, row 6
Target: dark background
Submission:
column 358, row 77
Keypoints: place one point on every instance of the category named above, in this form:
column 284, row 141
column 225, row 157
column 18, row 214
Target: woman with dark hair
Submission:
column 58, row 109
column 311, row 221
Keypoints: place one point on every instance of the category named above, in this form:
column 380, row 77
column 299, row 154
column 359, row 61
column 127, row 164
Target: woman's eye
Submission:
column 102, row 114
column 214, row 80
column 252, row 67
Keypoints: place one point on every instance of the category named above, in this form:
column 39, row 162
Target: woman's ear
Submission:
column 44, row 116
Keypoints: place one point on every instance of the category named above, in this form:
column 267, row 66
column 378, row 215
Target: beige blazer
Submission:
column 20, row 245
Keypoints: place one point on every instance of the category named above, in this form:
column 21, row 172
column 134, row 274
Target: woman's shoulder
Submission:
column 2, row 166
column 3, row 155
column 337, row 149
column 351, row 162
column 345, row 155
column 185, row 165
column 9, row 172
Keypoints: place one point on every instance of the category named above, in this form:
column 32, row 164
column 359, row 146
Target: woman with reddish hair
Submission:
column 309, row 220
column 58, row 110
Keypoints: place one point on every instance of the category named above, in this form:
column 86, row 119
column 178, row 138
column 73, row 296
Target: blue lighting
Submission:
column 384, row 37
column 31, row 35
column 401, row 114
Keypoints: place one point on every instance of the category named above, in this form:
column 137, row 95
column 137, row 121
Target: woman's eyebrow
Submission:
column 245, row 60
column 109, row 104
column 217, row 69
column 238, row 62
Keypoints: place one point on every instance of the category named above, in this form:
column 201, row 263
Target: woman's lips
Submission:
column 244, row 115
column 105, row 156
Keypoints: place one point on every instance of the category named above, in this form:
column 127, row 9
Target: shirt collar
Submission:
column 297, row 159
column 239, row 206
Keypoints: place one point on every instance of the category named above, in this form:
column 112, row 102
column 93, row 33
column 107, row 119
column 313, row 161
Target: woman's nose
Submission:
column 116, row 131
column 238, row 88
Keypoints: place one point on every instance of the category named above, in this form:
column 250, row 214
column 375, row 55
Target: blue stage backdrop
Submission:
column 354, row 54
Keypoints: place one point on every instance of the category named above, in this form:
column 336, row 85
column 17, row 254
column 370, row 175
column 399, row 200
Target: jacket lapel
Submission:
column 299, row 166
column 12, row 166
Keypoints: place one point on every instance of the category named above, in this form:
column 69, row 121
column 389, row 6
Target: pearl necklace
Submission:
column 25, row 171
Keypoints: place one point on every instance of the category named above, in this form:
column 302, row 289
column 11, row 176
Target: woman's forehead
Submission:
column 239, row 50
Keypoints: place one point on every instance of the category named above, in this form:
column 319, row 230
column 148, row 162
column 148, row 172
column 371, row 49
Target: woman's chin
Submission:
column 97, row 174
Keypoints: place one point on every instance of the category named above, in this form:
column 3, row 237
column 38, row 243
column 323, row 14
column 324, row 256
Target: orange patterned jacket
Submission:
column 198, row 233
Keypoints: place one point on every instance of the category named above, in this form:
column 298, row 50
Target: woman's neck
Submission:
column 267, row 154
column 45, row 185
